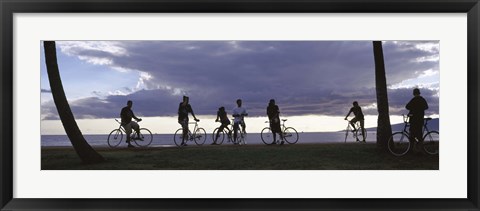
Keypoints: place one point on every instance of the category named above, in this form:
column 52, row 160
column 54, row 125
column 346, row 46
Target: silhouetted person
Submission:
column 239, row 112
column 273, row 113
column 126, row 115
column 223, row 118
column 357, row 111
column 183, row 109
column 417, row 107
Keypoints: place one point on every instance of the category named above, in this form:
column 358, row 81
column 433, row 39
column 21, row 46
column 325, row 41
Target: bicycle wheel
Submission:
column 267, row 136
column 290, row 135
column 221, row 136
column 177, row 138
column 145, row 138
column 115, row 138
column 359, row 134
column 399, row 144
column 200, row 136
column 431, row 142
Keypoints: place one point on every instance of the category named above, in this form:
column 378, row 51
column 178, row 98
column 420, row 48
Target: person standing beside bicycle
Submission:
column 183, row 109
column 357, row 111
column 273, row 113
column 126, row 115
column 416, row 107
column 223, row 118
column 239, row 113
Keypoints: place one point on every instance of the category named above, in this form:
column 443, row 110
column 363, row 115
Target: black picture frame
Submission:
column 9, row 7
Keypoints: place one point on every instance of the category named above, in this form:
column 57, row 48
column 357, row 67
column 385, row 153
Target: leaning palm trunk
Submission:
column 384, row 129
column 86, row 153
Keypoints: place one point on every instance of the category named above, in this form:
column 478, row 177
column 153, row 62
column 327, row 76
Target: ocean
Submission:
column 167, row 139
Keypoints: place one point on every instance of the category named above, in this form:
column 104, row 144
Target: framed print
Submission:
column 70, row 69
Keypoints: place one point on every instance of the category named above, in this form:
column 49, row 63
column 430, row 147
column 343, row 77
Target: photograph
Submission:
column 240, row 104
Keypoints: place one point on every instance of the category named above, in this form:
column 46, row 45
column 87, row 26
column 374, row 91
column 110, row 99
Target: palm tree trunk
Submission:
column 384, row 129
column 86, row 153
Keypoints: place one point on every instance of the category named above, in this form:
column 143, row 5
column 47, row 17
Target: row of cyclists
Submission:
column 184, row 109
column 416, row 106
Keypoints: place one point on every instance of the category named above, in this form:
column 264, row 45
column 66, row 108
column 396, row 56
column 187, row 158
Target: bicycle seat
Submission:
column 284, row 120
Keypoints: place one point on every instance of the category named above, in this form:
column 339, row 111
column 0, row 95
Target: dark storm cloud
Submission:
column 305, row 77
column 163, row 103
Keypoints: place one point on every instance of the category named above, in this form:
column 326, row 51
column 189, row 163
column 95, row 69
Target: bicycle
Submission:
column 199, row 135
column 143, row 138
column 241, row 138
column 400, row 144
column 355, row 133
column 289, row 134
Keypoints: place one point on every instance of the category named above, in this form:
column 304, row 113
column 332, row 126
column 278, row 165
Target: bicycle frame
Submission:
column 350, row 129
column 287, row 134
column 142, row 137
column 407, row 124
column 282, row 128
column 240, row 133
column 399, row 146
column 198, row 135
column 190, row 134
column 283, row 125
column 120, row 127
column 230, row 128
column 349, row 126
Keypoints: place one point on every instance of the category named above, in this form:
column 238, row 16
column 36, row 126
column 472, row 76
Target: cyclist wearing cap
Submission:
column 183, row 109
column 357, row 111
column 417, row 107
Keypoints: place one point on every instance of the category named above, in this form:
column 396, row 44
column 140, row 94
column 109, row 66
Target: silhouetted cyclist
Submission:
column 223, row 118
column 417, row 107
column 126, row 115
column 357, row 111
column 183, row 109
column 239, row 112
column 273, row 113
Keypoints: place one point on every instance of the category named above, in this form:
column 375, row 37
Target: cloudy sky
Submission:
column 307, row 78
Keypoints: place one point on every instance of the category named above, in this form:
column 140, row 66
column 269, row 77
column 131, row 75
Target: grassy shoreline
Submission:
column 332, row 156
